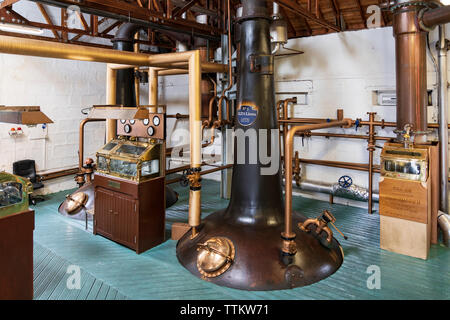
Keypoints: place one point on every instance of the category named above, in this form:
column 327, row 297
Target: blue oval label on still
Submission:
column 247, row 114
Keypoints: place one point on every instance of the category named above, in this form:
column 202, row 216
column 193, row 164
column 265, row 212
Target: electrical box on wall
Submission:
column 388, row 97
column 38, row 132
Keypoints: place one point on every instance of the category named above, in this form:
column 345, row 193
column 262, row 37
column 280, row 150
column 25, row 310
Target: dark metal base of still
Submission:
column 258, row 263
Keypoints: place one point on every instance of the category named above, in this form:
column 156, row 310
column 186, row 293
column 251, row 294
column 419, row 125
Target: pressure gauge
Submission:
column 132, row 121
column 156, row 121
column 123, row 121
column 146, row 122
column 150, row 131
column 127, row 128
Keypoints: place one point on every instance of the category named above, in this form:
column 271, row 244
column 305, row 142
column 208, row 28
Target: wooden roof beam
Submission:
column 297, row 9
column 48, row 20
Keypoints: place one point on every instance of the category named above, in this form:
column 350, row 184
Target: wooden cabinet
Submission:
column 130, row 213
column 16, row 256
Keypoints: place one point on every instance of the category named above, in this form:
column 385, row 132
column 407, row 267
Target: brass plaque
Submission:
column 404, row 199
column 114, row 184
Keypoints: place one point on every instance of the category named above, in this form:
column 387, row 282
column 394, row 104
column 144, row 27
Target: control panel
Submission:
column 153, row 127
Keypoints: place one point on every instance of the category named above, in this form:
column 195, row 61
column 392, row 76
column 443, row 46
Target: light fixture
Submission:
column 118, row 112
column 18, row 28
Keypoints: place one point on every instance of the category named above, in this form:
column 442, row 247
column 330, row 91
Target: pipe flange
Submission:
column 410, row 4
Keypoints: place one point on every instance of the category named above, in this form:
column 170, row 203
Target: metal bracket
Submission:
column 262, row 63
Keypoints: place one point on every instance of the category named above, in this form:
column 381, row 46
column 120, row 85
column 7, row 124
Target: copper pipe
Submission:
column 342, row 165
column 57, row 174
column 202, row 173
column 371, row 149
column 288, row 235
column 195, row 78
column 220, row 121
column 286, row 115
column 434, row 17
column 111, row 79
column 411, row 71
column 81, row 140
column 361, row 123
column 341, row 135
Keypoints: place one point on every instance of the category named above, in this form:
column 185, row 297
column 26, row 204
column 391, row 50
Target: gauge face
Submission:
column 123, row 121
column 151, row 131
column 146, row 122
column 156, row 121
column 132, row 121
column 127, row 128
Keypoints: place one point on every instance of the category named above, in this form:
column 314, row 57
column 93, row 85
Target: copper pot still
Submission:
column 240, row 246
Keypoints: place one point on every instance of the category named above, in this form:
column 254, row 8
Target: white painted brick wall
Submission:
column 61, row 88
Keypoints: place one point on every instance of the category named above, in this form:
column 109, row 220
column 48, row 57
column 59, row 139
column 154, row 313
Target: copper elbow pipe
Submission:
column 288, row 236
column 81, row 140
column 434, row 17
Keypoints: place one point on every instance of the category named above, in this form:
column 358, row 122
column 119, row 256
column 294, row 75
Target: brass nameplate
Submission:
column 114, row 184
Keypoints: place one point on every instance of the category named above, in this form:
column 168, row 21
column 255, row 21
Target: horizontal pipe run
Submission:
column 45, row 49
column 352, row 193
column 342, row 135
column 437, row 16
column 57, row 174
column 201, row 173
column 342, row 165
column 361, row 123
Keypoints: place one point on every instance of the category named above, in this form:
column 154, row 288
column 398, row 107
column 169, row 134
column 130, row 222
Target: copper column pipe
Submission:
column 288, row 236
column 411, row 71
column 371, row 149
column 111, row 79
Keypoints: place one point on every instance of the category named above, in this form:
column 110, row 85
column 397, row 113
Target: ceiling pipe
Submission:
column 125, row 84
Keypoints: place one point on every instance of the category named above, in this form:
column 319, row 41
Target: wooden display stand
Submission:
column 405, row 215
column 408, row 211
column 16, row 256
column 130, row 213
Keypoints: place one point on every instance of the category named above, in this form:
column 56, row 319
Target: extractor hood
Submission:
column 23, row 115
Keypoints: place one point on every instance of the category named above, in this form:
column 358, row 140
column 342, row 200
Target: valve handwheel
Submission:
column 345, row 181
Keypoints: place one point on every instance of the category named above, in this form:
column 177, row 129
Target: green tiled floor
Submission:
column 110, row 270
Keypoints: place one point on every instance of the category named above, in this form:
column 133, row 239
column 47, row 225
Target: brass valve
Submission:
column 191, row 177
column 321, row 223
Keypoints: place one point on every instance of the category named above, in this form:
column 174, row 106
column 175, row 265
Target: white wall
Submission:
column 61, row 88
